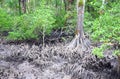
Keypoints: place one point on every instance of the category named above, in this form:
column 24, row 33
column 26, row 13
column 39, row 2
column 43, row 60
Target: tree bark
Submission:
column 80, row 40
column 80, row 15
column 22, row 6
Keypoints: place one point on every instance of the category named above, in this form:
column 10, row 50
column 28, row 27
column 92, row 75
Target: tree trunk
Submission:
column 65, row 4
column 80, row 15
column 80, row 40
column 22, row 6
column 19, row 7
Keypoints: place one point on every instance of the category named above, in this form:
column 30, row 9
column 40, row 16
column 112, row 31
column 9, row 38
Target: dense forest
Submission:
column 47, row 34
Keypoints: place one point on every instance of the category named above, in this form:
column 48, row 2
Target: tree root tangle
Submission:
column 79, row 42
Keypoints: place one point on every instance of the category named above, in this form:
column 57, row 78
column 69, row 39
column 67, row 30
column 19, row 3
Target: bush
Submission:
column 60, row 17
column 106, row 28
column 30, row 26
column 99, row 51
column 6, row 21
column 88, row 22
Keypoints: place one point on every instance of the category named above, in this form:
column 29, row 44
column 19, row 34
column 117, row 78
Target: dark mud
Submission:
column 54, row 62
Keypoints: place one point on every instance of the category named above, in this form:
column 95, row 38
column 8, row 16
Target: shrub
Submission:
column 99, row 51
column 30, row 26
column 106, row 28
column 6, row 21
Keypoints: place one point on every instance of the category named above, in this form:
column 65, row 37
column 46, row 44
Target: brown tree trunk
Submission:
column 22, row 6
column 80, row 40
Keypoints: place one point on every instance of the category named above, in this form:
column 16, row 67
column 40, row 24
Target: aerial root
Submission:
column 79, row 43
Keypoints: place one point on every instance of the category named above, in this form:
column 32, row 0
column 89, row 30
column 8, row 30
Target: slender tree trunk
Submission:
column 80, row 40
column 65, row 4
column 22, row 6
column 19, row 7
column 80, row 19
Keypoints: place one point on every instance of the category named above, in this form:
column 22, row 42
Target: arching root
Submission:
column 80, row 43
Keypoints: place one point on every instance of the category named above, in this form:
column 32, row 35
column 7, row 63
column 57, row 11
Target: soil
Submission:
column 24, row 61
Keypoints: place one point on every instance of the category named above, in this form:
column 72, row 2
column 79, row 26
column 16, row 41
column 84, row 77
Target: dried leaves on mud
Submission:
column 53, row 62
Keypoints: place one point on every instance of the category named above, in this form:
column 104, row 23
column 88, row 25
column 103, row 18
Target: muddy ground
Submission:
column 25, row 61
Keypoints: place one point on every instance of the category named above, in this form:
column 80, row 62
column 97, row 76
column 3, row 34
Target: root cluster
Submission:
column 52, row 62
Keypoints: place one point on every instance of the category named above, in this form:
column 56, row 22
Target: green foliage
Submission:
column 44, row 15
column 116, row 52
column 41, row 17
column 93, row 7
column 30, row 26
column 106, row 28
column 23, row 28
column 88, row 22
column 60, row 14
column 11, row 6
column 80, row 3
column 60, row 17
column 5, row 21
column 44, row 18
column 98, row 51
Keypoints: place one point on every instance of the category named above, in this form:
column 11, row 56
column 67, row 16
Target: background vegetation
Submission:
column 33, row 19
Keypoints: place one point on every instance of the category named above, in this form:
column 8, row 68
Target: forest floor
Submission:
column 24, row 61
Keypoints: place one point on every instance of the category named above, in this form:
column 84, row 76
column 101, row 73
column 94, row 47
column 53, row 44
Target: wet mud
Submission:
column 54, row 62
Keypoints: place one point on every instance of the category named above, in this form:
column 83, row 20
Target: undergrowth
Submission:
column 106, row 28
